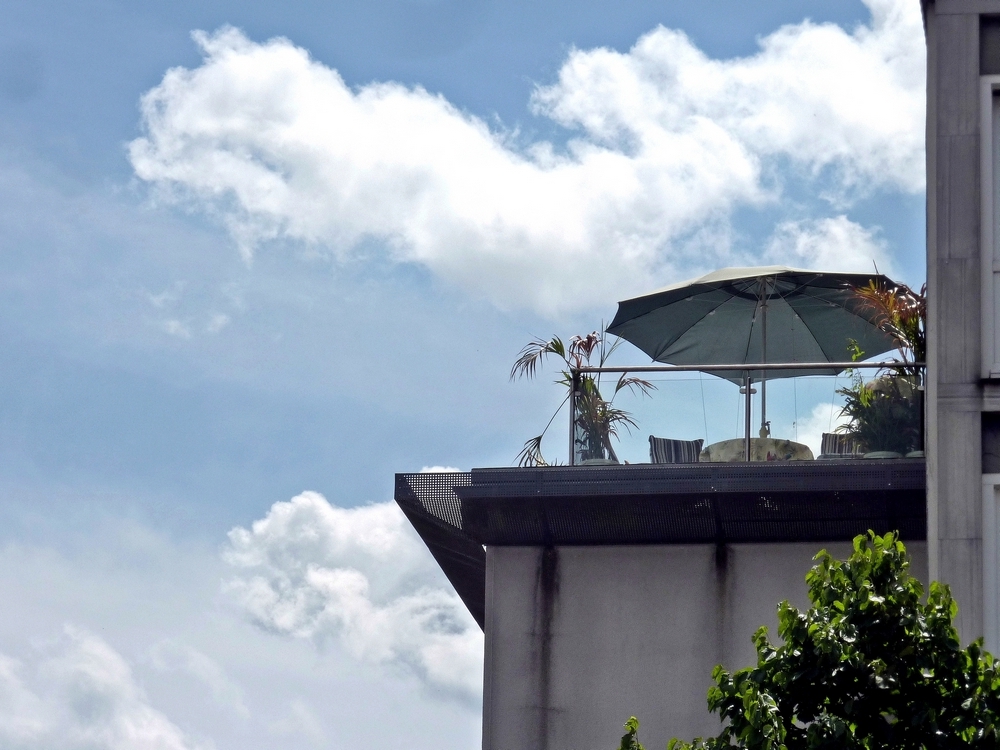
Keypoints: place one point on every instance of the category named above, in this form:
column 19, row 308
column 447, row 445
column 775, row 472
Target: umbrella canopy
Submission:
column 753, row 315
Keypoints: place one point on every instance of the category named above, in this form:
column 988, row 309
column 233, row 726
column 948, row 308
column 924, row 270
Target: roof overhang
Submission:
column 457, row 513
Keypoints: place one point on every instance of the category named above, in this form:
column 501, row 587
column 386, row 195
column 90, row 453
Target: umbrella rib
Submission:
column 804, row 293
column 820, row 299
column 799, row 293
column 753, row 321
column 832, row 304
column 665, row 346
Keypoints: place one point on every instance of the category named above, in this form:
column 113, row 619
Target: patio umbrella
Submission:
column 755, row 315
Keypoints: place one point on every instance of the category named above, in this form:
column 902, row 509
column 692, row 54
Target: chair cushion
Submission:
column 839, row 444
column 667, row 451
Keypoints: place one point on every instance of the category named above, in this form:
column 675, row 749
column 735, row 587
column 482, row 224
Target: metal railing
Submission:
column 750, row 371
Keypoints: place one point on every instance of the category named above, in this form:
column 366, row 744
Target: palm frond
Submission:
column 900, row 312
column 531, row 453
column 634, row 385
column 533, row 353
column 607, row 351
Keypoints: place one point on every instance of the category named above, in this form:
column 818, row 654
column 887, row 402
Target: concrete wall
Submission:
column 954, row 391
column 579, row 638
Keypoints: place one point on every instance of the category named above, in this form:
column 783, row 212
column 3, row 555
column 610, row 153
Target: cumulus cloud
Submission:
column 312, row 570
column 669, row 142
column 80, row 695
column 173, row 656
column 813, row 93
column 832, row 244
column 299, row 720
column 176, row 328
column 825, row 417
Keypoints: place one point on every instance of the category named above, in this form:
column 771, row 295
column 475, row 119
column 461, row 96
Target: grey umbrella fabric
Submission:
column 721, row 318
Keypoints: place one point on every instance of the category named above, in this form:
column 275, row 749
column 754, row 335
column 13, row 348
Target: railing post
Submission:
column 575, row 376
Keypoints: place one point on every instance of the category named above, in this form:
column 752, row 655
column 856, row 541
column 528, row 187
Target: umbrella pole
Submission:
column 764, row 431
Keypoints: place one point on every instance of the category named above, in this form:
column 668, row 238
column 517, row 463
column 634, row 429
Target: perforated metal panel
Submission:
column 434, row 493
column 431, row 505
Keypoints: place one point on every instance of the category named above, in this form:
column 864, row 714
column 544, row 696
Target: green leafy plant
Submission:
column 869, row 665
column 630, row 740
column 597, row 419
column 885, row 414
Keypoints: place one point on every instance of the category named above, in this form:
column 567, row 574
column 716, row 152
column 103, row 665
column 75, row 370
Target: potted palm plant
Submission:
column 886, row 413
column 597, row 419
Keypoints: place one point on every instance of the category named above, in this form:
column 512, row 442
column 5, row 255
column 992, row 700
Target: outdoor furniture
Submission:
column 667, row 451
column 761, row 449
column 839, row 445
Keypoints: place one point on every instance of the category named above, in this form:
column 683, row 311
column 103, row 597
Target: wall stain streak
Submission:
column 547, row 589
column 722, row 599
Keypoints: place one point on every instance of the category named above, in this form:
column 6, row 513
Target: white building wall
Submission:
column 580, row 638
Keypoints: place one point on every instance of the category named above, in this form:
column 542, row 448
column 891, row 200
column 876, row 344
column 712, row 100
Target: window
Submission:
column 990, row 239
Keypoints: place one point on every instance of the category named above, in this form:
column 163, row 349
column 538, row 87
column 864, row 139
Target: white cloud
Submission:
column 670, row 142
column 300, row 721
column 176, row 328
column 813, row 93
column 167, row 297
column 833, row 244
column 172, row 656
column 361, row 575
column 194, row 655
column 824, row 417
column 80, row 695
column 217, row 322
column 438, row 469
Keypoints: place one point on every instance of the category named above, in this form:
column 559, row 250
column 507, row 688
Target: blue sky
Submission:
column 306, row 258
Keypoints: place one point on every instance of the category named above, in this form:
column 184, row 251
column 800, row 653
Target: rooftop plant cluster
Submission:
column 886, row 413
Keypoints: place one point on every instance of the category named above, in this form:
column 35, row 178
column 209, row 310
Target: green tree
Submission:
column 869, row 665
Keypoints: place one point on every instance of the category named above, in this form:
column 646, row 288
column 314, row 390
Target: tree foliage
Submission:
column 870, row 664
column 630, row 740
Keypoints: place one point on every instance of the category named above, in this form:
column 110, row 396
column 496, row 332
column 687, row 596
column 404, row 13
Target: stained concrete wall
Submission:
column 955, row 395
column 580, row 638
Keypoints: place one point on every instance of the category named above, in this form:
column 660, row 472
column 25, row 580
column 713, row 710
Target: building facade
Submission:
column 606, row 591
column 963, row 281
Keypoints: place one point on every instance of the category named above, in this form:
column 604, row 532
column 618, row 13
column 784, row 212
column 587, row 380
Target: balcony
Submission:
column 718, row 502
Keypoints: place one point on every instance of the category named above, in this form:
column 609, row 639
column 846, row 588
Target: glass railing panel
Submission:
column 874, row 412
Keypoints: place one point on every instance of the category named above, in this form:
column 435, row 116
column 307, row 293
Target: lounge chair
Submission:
column 839, row 445
column 667, row 451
